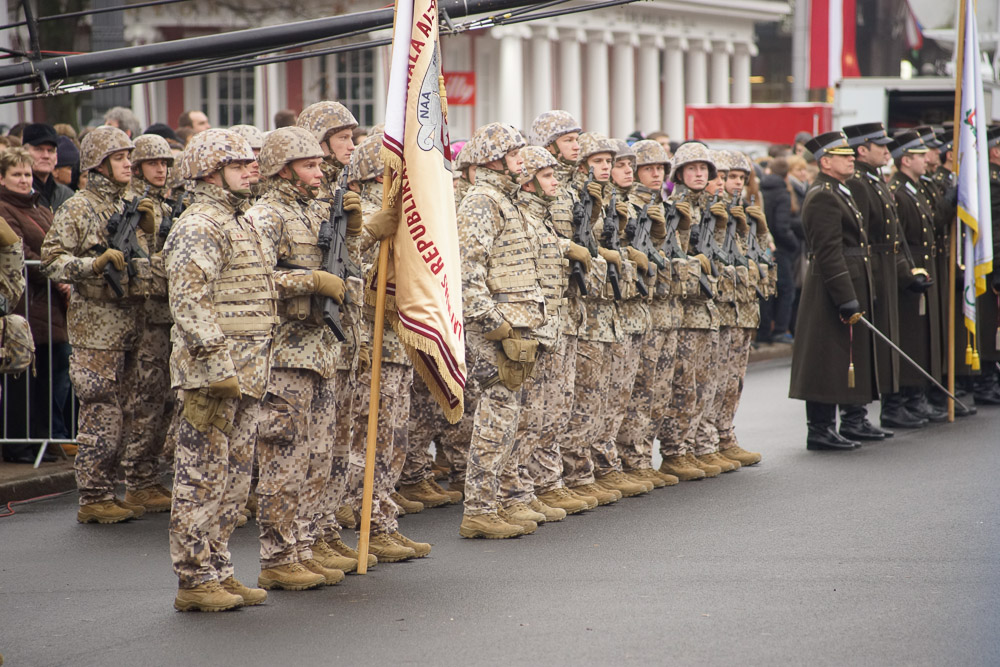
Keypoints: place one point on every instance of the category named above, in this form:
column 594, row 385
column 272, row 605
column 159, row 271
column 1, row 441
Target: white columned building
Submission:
column 623, row 74
column 571, row 73
column 673, row 88
column 540, row 66
column 720, row 72
column 597, row 102
column 696, row 75
column 511, row 80
column 649, row 82
column 741, row 72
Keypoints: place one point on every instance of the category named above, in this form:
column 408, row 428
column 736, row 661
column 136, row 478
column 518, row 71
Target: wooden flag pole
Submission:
column 953, row 245
column 373, row 397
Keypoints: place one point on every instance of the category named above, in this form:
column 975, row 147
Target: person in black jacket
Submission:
column 781, row 219
column 41, row 141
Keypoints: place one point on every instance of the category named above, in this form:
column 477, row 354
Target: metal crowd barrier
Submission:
column 30, row 409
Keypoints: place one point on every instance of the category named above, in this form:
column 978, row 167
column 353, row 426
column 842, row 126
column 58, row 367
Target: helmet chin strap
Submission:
column 539, row 191
column 310, row 191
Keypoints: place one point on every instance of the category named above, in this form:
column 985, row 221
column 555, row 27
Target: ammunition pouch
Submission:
column 17, row 348
column 727, row 285
column 279, row 423
column 744, row 288
column 298, row 308
column 515, row 361
column 203, row 411
column 140, row 286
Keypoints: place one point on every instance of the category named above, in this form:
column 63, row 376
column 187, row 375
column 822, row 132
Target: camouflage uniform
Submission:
column 323, row 119
column 102, row 327
column 499, row 287
column 149, row 411
column 296, row 448
column 653, row 388
column 696, row 367
column 12, row 282
column 223, row 303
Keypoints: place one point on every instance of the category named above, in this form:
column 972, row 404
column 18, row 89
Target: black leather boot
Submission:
column 895, row 414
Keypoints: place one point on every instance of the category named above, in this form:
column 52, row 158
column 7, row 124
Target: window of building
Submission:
column 227, row 98
column 354, row 83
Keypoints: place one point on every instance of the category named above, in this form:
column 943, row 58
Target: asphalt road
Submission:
column 883, row 556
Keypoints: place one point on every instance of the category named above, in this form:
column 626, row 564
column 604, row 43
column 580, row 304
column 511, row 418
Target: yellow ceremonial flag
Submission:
column 424, row 272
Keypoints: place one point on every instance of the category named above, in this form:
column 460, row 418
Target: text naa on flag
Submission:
column 424, row 295
column 973, row 174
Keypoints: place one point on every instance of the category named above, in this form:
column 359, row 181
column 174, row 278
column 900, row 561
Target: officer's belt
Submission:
column 885, row 248
column 920, row 250
column 856, row 252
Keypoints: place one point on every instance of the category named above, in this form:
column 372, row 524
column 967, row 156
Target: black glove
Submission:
column 951, row 196
column 850, row 312
column 995, row 282
column 920, row 284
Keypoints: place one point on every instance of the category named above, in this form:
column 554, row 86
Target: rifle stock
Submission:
column 122, row 237
column 332, row 240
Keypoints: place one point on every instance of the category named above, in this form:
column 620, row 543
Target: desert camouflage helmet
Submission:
column 692, row 151
column 592, row 143
column 284, row 145
column 625, row 152
column 649, row 151
column 551, row 125
column 536, row 158
column 493, row 141
column 101, row 142
column 721, row 159
column 211, row 150
column 739, row 161
column 366, row 160
column 252, row 134
column 326, row 117
column 152, row 147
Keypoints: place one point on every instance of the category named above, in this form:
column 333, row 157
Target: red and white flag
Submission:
column 424, row 275
column 832, row 42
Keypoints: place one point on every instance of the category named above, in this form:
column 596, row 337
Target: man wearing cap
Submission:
column 919, row 313
column 833, row 359
column 67, row 168
column 892, row 268
column 42, row 142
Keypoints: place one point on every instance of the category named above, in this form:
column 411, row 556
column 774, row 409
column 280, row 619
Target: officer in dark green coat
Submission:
column 988, row 384
column 833, row 359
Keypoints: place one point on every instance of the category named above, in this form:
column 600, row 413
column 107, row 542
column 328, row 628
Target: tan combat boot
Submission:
column 330, row 575
column 440, row 466
column 488, row 526
column 424, row 494
column 106, row 511
column 737, row 453
column 616, row 481
column 406, row 506
column 457, row 485
column 647, row 475
column 591, row 501
column 251, row 506
column 137, row 510
column 421, row 549
column 717, row 459
column 325, row 554
column 678, row 466
column 453, row 496
column 529, row 526
column 341, row 548
column 207, row 596
column 389, row 550
column 289, row 577
column 560, row 498
column 668, row 479
column 251, row 596
column 604, row 495
column 710, row 469
column 150, row 499
column 550, row 513
column 242, row 520
column 345, row 517
column 522, row 511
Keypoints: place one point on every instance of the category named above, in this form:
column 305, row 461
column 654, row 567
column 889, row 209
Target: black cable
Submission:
column 89, row 12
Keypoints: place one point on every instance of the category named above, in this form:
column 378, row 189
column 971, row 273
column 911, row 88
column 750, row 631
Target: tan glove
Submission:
column 580, row 254
column 656, row 214
column 327, row 284
column 611, row 257
column 706, row 266
column 684, row 208
column 110, row 255
column 720, row 213
column 352, row 207
column 596, row 190
column 383, row 224
column 757, row 213
column 741, row 219
column 640, row 259
column 364, row 357
column 228, row 388
column 657, row 222
column 8, row 236
column 501, row 332
column 624, row 211
column 147, row 217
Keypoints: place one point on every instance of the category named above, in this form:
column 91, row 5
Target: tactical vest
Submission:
column 244, row 296
column 552, row 267
column 304, row 253
column 511, row 273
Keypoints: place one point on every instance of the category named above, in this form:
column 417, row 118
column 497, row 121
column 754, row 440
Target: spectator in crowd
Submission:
column 194, row 120
column 42, row 141
column 799, row 177
column 183, row 134
column 782, row 222
column 124, row 120
column 285, row 118
column 664, row 140
column 67, row 169
column 779, row 150
column 20, row 207
column 801, row 139
column 6, row 140
column 67, row 130
column 16, row 130
column 359, row 134
column 163, row 130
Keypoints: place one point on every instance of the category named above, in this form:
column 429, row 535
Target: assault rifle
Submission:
column 637, row 234
column 609, row 240
column 177, row 207
column 731, row 253
column 673, row 250
column 754, row 251
column 583, row 209
column 122, row 237
column 332, row 240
